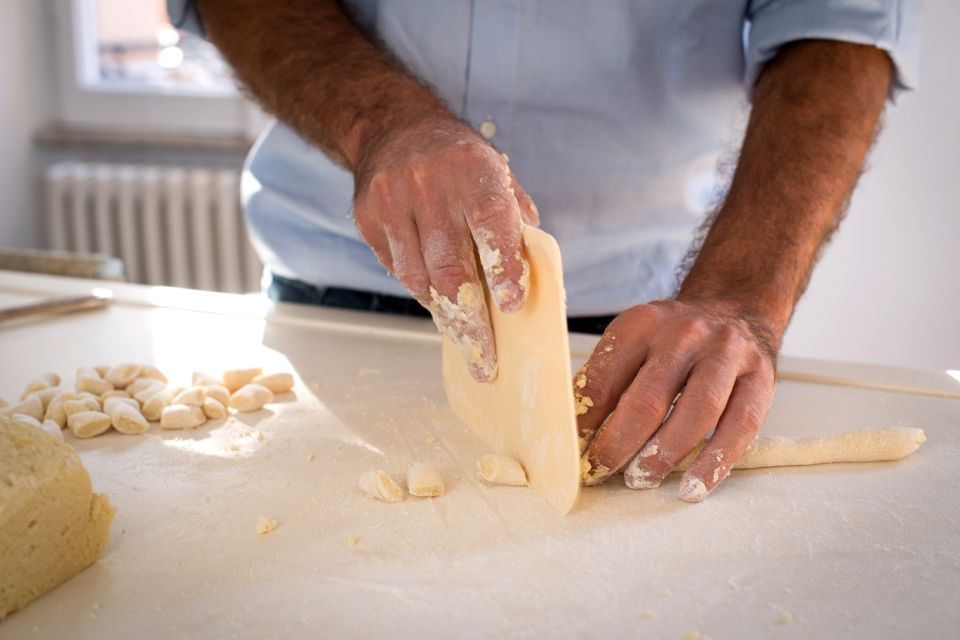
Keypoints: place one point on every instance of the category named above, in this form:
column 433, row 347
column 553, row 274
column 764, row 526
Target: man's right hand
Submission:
column 424, row 197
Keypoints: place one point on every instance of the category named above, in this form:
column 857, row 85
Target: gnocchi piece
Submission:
column 46, row 395
column 26, row 420
column 87, row 424
column 144, row 394
column 123, row 374
column 116, row 393
column 499, row 469
column 126, row 418
column 156, row 403
column 101, row 369
column 194, row 396
column 236, row 378
column 276, row 382
column 71, row 407
column 150, row 371
column 41, row 382
column 219, row 393
column 32, row 407
column 251, row 397
column 424, row 481
column 214, row 409
column 3, row 403
column 88, row 380
column 55, row 412
column 377, row 484
column 200, row 379
column 181, row 416
column 142, row 383
column 109, row 403
column 53, row 429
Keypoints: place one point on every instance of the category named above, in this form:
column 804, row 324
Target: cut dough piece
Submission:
column 265, row 525
column 52, row 525
column 499, row 469
column 865, row 445
column 527, row 412
column 377, row 484
column 424, row 481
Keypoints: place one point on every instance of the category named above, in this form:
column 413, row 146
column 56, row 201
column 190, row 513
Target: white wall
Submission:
column 888, row 289
column 18, row 116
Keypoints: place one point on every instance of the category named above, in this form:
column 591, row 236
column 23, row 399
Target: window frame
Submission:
column 144, row 109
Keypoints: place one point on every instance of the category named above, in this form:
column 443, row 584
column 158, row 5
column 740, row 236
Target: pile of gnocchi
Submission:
column 128, row 397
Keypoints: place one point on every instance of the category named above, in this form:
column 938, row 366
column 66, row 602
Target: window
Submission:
column 124, row 69
column 134, row 46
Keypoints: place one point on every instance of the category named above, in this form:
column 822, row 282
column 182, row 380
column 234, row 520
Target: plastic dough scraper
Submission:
column 527, row 412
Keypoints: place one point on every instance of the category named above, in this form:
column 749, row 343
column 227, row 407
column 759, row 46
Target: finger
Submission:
column 372, row 232
column 493, row 215
column 528, row 210
column 696, row 414
column 403, row 240
column 739, row 425
column 639, row 413
column 456, row 297
column 614, row 363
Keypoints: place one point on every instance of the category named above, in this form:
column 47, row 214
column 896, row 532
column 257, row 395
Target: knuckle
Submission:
column 748, row 421
column 707, row 402
column 643, row 405
column 449, row 275
column 729, row 341
column 491, row 211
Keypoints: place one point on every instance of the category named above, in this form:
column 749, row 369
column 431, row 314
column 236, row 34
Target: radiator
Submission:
column 176, row 226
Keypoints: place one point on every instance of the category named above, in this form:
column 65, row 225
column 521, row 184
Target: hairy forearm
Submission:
column 310, row 66
column 816, row 112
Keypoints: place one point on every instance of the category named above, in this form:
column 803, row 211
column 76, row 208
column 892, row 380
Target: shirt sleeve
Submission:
column 890, row 25
column 184, row 16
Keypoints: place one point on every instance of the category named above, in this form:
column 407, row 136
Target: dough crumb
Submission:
column 784, row 618
column 499, row 469
column 311, row 457
column 695, row 635
column 377, row 484
column 649, row 615
column 265, row 525
column 581, row 403
column 424, row 481
column 353, row 541
column 430, row 440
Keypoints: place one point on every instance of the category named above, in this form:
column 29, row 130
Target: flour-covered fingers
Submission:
column 599, row 383
column 528, row 209
column 457, row 301
column 639, row 413
column 738, row 427
column 696, row 414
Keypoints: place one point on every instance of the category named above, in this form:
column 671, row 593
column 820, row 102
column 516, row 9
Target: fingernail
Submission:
column 692, row 489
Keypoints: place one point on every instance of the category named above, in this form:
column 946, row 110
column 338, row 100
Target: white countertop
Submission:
column 870, row 550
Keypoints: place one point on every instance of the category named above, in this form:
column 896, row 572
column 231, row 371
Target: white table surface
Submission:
column 869, row 550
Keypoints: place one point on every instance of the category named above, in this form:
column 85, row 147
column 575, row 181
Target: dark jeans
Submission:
column 287, row 290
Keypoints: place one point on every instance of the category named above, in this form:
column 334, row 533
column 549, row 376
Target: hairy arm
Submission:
column 816, row 111
column 428, row 190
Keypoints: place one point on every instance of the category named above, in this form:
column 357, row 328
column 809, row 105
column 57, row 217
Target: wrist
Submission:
column 767, row 321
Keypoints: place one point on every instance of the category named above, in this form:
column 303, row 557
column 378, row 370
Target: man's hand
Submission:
column 425, row 196
column 427, row 188
column 815, row 114
column 722, row 367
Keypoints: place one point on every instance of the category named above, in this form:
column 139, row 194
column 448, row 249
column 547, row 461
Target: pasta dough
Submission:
column 52, row 525
column 527, row 412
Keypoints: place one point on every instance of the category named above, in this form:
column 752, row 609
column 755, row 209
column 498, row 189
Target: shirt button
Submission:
column 488, row 129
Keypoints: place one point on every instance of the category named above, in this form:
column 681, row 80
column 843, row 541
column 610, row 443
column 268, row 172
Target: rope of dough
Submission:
column 866, row 445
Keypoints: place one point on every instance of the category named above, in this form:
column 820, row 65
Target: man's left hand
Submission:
column 722, row 366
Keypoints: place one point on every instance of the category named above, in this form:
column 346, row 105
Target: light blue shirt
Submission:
column 613, row 115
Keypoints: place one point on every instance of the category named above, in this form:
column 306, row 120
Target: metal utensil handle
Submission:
column 69, row 304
